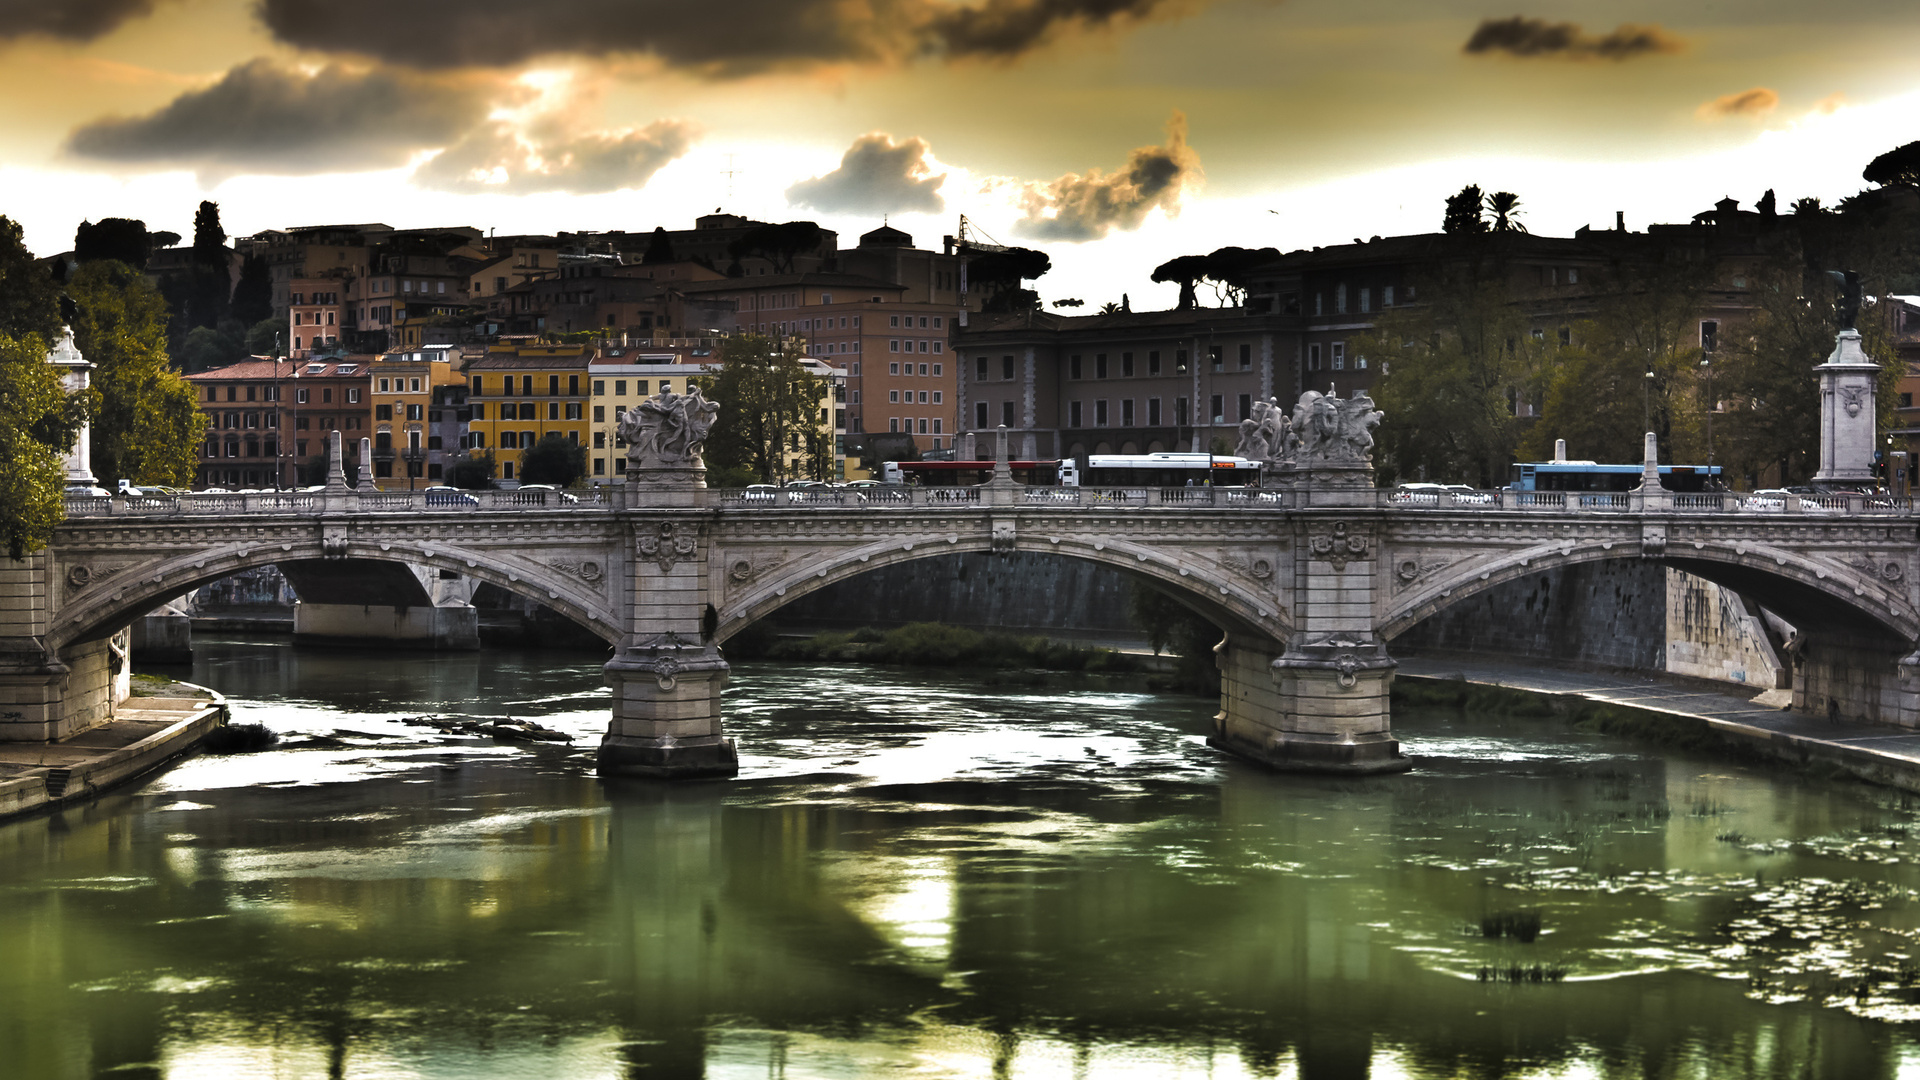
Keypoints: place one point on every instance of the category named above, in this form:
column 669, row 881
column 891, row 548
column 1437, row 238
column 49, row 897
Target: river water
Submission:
column 940, row 875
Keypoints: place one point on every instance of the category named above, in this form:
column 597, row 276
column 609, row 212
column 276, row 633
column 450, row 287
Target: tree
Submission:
column 266, row 338
column 206, row 348
column 1073, row 302
column 1899, row 166
column 1452, row 371
column 1599, row 395
column 210, row 277
column 29, row 297
column 123, row 239
column 998, row 274
column 659, row 248
column 1230, row 269
column 253, row 295
column 778, row 244
column 473, row 472
column 1505, row 208
column 768, row 401
column 38, row 422
column 146, row 423
column 1170, row 624
column 1187, row 270
column 555, row 460
column 1463, row 212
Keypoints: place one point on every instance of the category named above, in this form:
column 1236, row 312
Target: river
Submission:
column 940, row 874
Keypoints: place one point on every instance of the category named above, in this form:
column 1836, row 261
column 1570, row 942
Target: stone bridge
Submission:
column 1311, row 583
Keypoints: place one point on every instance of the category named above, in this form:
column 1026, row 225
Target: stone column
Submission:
column 75, row 377
column 1847, row 420
column 366, row 465
column 668, row 677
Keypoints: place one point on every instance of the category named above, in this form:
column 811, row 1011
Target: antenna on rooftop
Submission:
column 729, row 173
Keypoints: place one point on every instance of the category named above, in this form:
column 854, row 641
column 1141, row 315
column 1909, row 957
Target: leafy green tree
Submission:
column 253, row 294
column 38, row 422
column 555, row 460
column 778, row 244
column 768, row 403
column 146, row 423
column 1463, row 212
column 206, row 348
column 473, row 472
column 267, row 338
column 122, row 239
column 1452, row 371
column 29, row 297
column 998, row 274
column 211, row 279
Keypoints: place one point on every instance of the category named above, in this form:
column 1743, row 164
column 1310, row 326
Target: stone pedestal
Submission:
column 666, row 715
column 1848, row 431
column 666, row 488
column 1318, row 708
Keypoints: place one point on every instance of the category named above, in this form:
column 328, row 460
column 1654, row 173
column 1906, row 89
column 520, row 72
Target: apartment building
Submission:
column 316, row 314
column 517, row 394
column 269, row 419
column 401, row 389
column 619, row 383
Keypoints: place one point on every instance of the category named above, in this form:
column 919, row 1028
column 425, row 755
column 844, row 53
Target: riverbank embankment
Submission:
column 146, row 733
column 1686, row 712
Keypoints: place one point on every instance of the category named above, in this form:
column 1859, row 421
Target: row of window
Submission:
column 893, row 397
column 514, row 440
column 1076, row 416
column 315, row 321
column 526, row 410
column 526, row 385
column 301, row 396
column 1365, row 294
column 620, row 387
column 908, row 369
column 1336, row 357
column 907, row 345
column 399, row 386
column 385, row 412
column 893, row 425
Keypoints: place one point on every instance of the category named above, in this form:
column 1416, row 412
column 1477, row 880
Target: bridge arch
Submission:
column 1814, row 594
column 94, row 604
column 1233, row 601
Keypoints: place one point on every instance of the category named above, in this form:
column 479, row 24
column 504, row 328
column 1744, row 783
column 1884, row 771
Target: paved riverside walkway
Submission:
column 1881, row 753
column 145, row 733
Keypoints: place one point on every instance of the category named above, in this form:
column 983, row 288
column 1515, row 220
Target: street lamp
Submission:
column 1707, row 363
column 413, row 455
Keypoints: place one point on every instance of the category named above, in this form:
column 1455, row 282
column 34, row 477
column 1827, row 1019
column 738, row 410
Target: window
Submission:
column 526, row 385
column 1153, row 362
column 1313, row 357
column 980, row 414
column 1319, row 303
column 1100, row 412
column 1153, row 412
column 893, row 369
column 1573, row 278
column 936, row 426
column 383, row 412
column 479, row 411
column 1006, row 367
column 1246, row 406
column 573, row 410
column 893, row 344
column 936, row 322
column 1340, row 299
column 893, row 424
column 893, row 320
column 1180, row 413
column 1126, row 412
column 923, row 423
column 923, row 344
column 980, row 369
column 300, row 423
column 553, row 410
column 383, row 386
column 1359, row 362
column 478, row 381
column 923, row 322
column 1215, row 409
column 599, row 464
column 573, row 386
column 1366, row 299
column 353, row 395
column 619, row 388
column 1709, row 335
column 1180, row 362
column 1073, row 414
column 413, row 412
column 856, row 367
column 923, row 397
column 1073, row 366
column 1006, row 413
column 923, row 370
column 553, row 386
column 1100, row 365
column 1246, row 357
column 1215, row 355
column 893, row 397
column 599, row 414
column 1386, row 296
column 326, row 395
column 1339, row 356
column 1126, row 365
column 937, row 368
column 413, row 386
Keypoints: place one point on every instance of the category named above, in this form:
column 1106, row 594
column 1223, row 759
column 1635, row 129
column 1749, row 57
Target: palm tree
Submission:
column 1505, row 207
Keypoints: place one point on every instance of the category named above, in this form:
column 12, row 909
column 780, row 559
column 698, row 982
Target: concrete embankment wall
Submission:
column 1020, row 593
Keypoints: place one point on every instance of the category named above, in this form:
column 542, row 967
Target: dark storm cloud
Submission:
column 74, row 20
column 876, row 176
column 730, row 38
column 262, row 117
column 494, row 158
column 1538, row 38
column 1080, row 207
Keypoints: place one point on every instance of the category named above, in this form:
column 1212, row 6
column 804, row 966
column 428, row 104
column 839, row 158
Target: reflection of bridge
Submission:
column 1311, row 584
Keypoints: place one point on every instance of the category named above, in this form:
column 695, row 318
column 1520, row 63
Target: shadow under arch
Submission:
column 1242, row 610
column 1831, row 599
column 104, row 607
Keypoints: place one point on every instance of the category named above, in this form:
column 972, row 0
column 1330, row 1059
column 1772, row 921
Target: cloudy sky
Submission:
column 1112, row 133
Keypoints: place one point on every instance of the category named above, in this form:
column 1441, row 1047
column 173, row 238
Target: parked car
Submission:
column 77, row 490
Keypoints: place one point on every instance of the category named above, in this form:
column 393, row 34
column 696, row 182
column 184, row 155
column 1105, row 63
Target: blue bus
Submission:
column 1593, row 476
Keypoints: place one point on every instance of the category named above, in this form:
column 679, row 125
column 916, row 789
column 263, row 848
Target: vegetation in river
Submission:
column 239, row 739
column 931, row 645
column 1520, row 973
column 1521, row 926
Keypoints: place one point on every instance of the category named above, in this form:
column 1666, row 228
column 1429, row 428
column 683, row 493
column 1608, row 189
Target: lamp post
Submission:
column 1707, row 363
column 413, row 455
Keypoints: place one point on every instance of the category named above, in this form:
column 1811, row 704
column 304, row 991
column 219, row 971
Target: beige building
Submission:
column 402, row 393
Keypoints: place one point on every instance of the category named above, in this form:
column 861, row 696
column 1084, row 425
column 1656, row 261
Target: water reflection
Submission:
column 929, row 876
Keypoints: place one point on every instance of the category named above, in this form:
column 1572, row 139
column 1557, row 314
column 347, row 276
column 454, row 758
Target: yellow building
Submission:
column 519, row 393
column 402, row 386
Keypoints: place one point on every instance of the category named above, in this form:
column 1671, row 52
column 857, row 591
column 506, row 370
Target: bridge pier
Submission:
column 666, row 715
column 1319, row 708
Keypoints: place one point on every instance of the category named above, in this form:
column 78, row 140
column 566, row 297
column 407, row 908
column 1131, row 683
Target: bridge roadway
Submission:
column 1311, row 584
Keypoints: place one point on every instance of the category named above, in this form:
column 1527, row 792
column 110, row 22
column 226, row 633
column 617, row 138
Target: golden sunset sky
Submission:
column 1112, row 133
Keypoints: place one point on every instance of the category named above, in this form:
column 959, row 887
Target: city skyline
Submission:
column 1112, row 133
